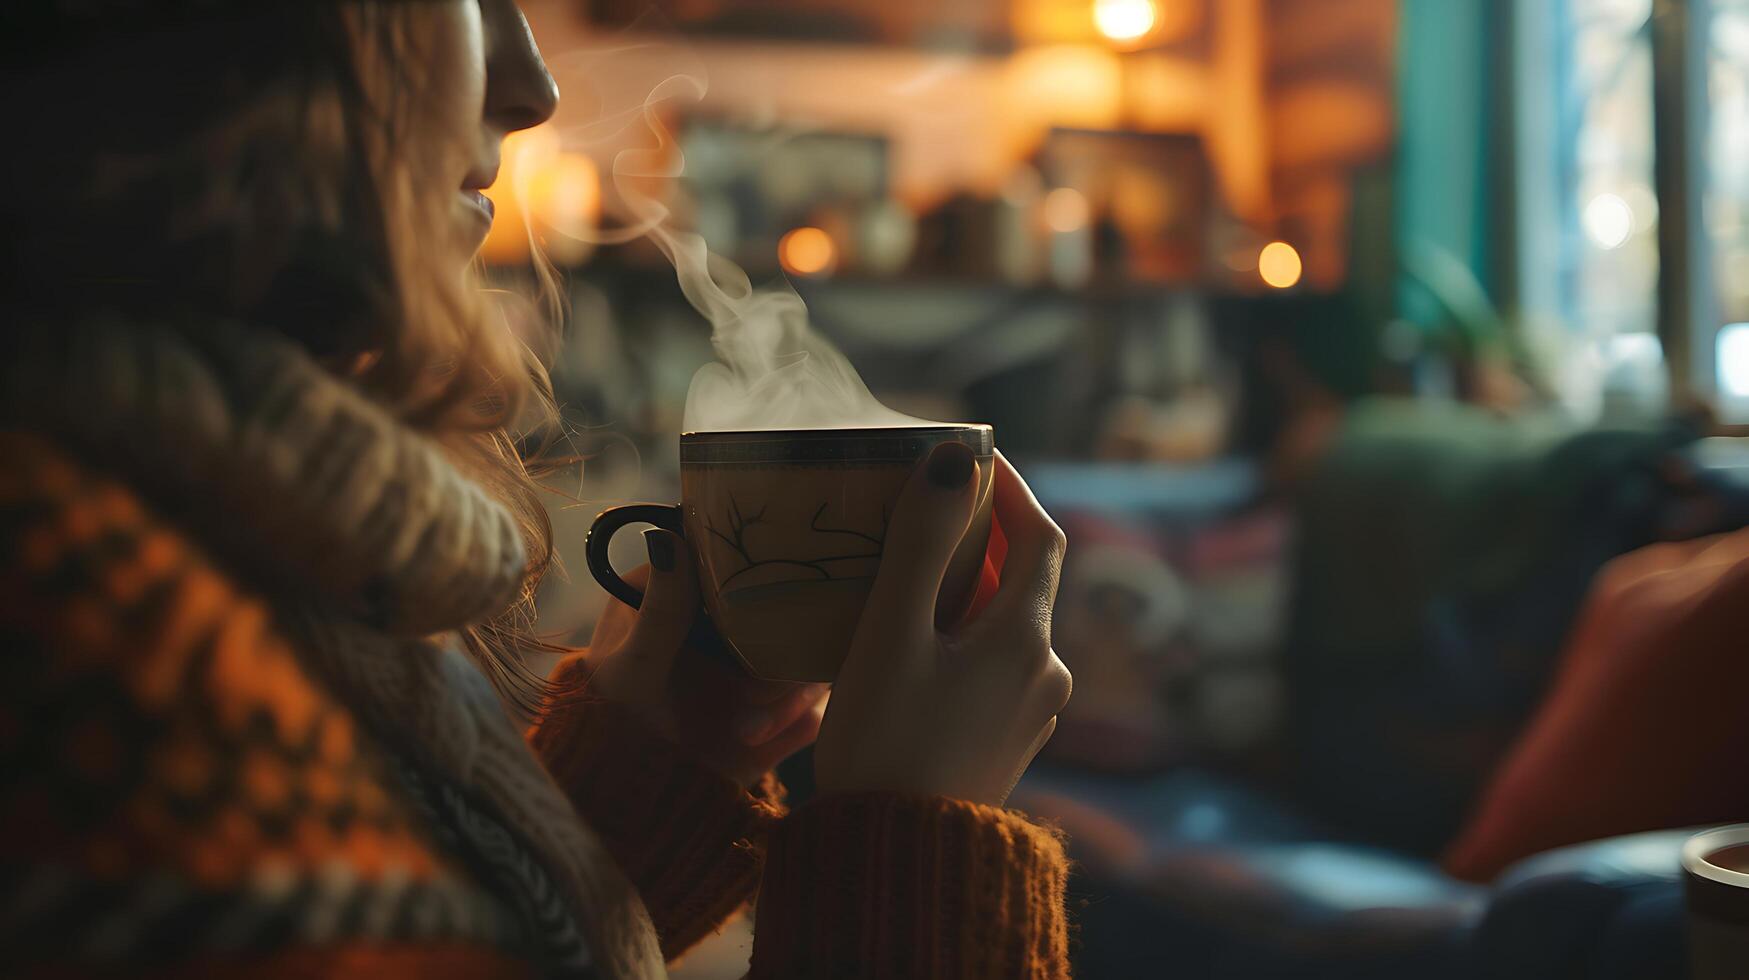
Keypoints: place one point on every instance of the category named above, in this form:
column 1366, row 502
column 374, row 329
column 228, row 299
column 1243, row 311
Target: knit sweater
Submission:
column 237, row 735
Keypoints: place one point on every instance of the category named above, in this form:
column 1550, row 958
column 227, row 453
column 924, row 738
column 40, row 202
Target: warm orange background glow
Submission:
column 561, row 190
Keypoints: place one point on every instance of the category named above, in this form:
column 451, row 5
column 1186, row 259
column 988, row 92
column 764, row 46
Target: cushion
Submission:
column 1605, row 909
column 1644, row 727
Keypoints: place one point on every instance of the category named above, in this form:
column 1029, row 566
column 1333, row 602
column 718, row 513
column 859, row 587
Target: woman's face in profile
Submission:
column 485, row 79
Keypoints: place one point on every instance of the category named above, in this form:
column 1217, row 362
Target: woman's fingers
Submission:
column 1038, row 745
column 928, row 522
column 756, row 690
column 756, row 724
column 1035, row 553
column 617, row 618
column 669, row 606
column 799, row 734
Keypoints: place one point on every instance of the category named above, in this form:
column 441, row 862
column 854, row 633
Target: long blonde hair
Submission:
column 250, row 166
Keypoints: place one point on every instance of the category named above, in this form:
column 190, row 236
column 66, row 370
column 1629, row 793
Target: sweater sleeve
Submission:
column 883, row 886
column 690, row 840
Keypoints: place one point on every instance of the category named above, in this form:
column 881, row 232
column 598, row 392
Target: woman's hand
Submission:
column 738, row 725
column 919, row 712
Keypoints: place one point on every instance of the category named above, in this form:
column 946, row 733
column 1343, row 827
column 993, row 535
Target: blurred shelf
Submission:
column 1185, row 491
column 1727, row 456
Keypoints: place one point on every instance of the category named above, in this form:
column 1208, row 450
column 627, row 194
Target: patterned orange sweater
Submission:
column 183, row 798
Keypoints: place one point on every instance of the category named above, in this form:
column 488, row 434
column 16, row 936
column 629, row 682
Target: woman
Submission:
column 265, row 538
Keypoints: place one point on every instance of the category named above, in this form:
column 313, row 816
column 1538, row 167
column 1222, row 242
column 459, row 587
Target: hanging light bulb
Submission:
column 1124, row 20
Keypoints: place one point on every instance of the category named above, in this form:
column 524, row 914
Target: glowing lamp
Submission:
column 1279, row 265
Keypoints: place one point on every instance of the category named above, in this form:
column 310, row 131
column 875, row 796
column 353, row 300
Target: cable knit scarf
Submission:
column 377, row 545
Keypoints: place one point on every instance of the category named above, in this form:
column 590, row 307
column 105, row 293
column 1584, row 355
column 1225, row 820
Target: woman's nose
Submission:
column 520, row 92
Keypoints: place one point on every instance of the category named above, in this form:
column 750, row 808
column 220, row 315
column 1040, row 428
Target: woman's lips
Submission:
column 482, row 202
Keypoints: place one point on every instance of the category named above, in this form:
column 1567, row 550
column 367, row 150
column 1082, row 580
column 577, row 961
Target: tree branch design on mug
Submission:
column 740, row 523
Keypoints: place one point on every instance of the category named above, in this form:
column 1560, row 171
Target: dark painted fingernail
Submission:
column 661, row 548
column 950, row 465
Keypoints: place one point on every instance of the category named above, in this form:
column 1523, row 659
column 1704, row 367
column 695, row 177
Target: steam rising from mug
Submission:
column 773, row 371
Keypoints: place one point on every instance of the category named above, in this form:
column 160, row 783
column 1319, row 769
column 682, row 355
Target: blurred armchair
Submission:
column 1441, row 558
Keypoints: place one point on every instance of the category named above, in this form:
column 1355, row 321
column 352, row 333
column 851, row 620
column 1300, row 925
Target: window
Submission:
column 1609, row 213
column 1725, row 202
column 1588, row 209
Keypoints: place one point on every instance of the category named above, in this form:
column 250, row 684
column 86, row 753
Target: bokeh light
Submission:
column 1279, row 265
column 1733, row 359
column 1608, row 220
column 807, row 251
column 1066, row 210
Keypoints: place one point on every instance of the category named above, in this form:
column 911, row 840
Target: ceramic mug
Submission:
column 787, row 528
column 1715, row 867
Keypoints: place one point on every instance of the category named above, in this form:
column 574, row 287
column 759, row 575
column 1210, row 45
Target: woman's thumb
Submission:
column 670, row 600
column 928, row 522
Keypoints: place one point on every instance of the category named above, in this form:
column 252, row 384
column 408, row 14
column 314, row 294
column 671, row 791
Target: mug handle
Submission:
column 665, row 516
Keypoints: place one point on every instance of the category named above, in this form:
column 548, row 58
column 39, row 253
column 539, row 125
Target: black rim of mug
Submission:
column 829, row 447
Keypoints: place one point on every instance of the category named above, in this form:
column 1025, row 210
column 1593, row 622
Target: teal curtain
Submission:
column 1453, row 106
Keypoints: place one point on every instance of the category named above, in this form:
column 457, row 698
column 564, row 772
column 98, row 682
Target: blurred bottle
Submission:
column 1019, row 244
column 1068, row 218
column 887, row 235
